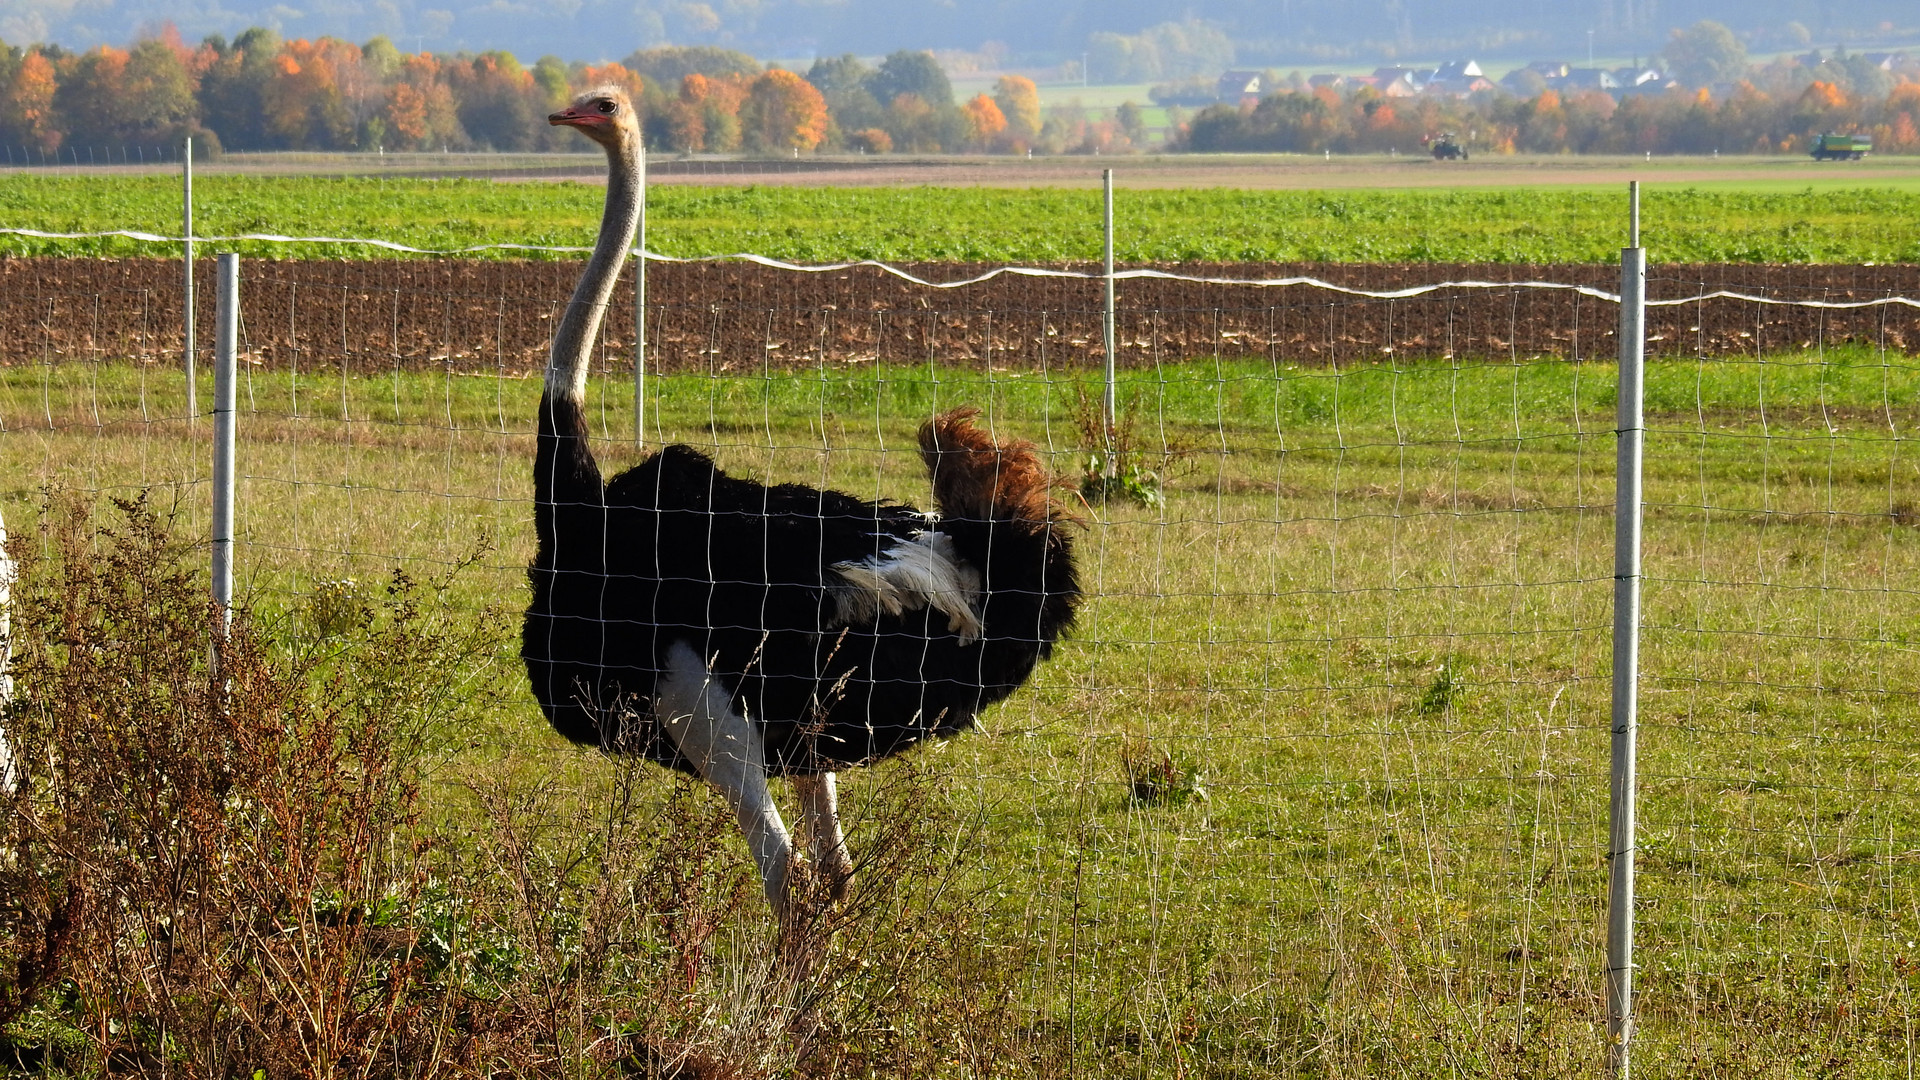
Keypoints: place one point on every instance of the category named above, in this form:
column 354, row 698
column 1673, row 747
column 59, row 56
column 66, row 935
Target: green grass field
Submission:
column 1371, row 622
column 1710, row 223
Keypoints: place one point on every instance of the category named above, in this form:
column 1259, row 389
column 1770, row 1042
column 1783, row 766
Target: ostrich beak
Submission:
column 574, row 117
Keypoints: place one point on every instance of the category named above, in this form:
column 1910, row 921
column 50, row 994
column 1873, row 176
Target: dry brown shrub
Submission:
column 219, row 866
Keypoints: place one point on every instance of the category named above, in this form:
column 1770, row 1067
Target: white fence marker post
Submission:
column 1109, row 403
column 225, row 365
column 9, row 773
column 1630, row 430
column 186, row 231
column 640, row 312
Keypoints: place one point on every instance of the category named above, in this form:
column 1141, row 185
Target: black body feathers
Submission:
column 676, row 550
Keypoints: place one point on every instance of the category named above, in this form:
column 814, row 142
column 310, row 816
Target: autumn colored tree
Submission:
column 1822, row 107
column 686, row 116
column 420, row 112
column 782, row 111
column 1899, row 129
column 113, row 99
column 302, row 100
column 1019, row 102
column 706, row 115
column 987, row 120
column 92, row 100
column 500, row 106
column 610, row 75
column 870, row 141
column 26, row 105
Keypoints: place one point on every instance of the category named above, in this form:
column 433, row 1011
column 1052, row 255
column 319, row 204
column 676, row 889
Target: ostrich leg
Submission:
column 726, row 750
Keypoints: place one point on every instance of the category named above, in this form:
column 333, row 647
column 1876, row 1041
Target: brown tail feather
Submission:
column 975, row 479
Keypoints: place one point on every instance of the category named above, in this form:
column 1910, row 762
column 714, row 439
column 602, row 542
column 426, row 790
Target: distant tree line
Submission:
column 1755, row 116
column 1723, row 104
column 260, row 92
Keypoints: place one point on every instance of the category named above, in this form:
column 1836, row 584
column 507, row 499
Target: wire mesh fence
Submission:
column 1318, row 786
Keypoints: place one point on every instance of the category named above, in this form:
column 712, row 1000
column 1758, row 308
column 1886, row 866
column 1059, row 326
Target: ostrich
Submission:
column 735, row 630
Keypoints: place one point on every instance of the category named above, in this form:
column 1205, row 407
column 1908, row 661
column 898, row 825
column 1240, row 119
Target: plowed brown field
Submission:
column 494, row 316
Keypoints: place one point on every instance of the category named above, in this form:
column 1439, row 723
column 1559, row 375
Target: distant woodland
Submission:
column 262, row 92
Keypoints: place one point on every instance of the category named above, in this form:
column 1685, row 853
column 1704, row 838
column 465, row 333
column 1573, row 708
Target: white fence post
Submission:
column 1109, row 403
column 225, row 365
column 9, row 773
column 186, row 232
column 1630, row 430
column 640, row 312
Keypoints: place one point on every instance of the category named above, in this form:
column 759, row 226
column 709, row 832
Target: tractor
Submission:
column 1447, row 147
column 1841, row 147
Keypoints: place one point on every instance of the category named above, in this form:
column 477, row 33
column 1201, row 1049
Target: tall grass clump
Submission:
column 247, row 850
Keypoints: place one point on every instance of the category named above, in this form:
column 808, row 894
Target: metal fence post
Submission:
column 1109, row 403
column 186, row 232
column 225, row 365
column 9, row 772
column 1630, row 430
column 640, row 312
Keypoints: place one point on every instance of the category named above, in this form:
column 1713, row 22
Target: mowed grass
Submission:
column 1526, row 225
column 1372, row 620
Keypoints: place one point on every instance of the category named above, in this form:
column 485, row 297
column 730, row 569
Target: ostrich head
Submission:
column 604, row 115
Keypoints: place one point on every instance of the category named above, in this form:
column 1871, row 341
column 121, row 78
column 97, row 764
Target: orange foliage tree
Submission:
column 420, row 112
column 26, row 105
column 987, row 120
column 782, row 111
column 706, row 115
column 1019, row 103
column 591, row 77
column 301, row 101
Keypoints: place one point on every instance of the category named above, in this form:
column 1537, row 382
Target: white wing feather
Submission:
column 921, row 572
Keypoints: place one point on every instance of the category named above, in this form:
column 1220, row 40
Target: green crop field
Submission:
column 1709, row 223
column 1365, row 641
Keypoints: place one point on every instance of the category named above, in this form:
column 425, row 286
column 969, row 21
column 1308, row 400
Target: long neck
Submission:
column 564, row 468
column 573, row 339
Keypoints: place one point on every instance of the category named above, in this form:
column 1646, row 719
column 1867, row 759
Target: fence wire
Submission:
column 1318, row 786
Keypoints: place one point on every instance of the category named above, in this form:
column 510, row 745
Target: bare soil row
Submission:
column 491, row 315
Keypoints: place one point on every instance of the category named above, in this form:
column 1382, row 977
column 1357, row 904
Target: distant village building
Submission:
column 1385, row 75
column 1642, row 80
column 1326, row 81
column 1237, row 86
column 1586, row 79
column 1398, row 86
column 1457, row 78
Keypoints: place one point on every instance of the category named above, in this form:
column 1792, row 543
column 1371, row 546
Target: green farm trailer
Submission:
column 1841, row 147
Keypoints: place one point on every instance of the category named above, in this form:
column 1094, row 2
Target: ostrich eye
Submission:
column 608, row 106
